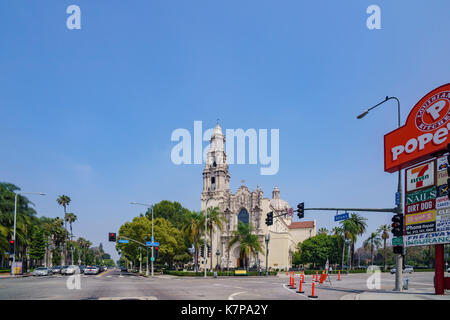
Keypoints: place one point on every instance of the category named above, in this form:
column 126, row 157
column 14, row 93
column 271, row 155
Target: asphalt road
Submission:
column 116, row 285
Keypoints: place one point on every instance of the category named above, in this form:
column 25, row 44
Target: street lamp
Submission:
column 267, row 238
column 151, row 208
column 14, row 234
column 206, row 229
column 217, row 255
column 399, row 258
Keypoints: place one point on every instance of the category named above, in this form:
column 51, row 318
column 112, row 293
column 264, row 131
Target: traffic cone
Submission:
column 293, row 282
column 339, row 275
column 300, row 287
column 312, row 294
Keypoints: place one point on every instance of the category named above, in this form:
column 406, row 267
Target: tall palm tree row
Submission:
column 64, row 201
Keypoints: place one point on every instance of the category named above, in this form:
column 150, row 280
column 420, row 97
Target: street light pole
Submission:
column 14, row 232
column 206, row 231
column 153, row 240
column 267, row 238
column 399, row 257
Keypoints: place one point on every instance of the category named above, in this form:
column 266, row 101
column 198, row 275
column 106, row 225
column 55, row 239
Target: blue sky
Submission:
column 89, row 113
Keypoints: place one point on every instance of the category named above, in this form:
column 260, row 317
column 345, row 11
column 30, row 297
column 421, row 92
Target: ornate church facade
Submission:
column 247, row 207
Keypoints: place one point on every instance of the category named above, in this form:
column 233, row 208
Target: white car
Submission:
column 72, row 270
column 41, row 271
column 406, row 269
column 91, row 270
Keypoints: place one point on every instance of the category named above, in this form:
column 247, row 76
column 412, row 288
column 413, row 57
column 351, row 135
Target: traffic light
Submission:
column 112, row 237
column 397, row 225
column 398, row 249
column 269, row 219
column 156, row 253
column 202, row 251
column 209, row 251
column 11, row 246
column 301, row 210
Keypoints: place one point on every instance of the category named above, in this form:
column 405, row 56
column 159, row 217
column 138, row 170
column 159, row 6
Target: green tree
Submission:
column 248, row 242
column 171, row 211
column 216, row 219
column 317, row 249
column 38, row 245
column 192, row 229
column 374, row 240
column 384, row 230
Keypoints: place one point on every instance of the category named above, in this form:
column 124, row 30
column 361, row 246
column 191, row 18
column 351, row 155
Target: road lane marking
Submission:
column 103, row 273
column 235, row 294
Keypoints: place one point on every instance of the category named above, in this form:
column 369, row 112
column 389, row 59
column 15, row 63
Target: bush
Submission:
column 210, row 274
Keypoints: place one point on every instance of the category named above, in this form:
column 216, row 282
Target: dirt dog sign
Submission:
column 426, row 131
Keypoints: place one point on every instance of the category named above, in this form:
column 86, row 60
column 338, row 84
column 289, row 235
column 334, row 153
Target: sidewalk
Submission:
column 415, row 294
column 8, row 275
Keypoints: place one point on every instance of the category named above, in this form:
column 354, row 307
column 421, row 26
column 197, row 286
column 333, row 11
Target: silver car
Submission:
column 406, row 269
column 56, row 269
column 41, row 271
column 72, row 269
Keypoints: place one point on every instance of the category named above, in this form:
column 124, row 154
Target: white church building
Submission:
column 248, row 207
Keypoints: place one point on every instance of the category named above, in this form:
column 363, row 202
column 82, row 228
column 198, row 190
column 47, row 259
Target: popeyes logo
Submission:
column 425, row 132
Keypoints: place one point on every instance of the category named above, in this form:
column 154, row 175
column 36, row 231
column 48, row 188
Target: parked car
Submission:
column 56, row 269
column 82, row 267
column 406, row 269
column 123, row 269
column 42, row 271
column 91, row 270
column 72, row 269
column 63, row 269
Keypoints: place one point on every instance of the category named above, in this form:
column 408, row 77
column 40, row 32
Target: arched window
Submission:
column 243, row 216
column 213, row 183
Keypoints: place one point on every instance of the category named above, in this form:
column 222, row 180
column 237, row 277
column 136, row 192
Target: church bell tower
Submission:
column 216, row 178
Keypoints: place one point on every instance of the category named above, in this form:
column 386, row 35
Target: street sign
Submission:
column 340, row 217
column 397, row 241
column 123, row 241
column 397, row 198
column 291, row 211
column 152, row 244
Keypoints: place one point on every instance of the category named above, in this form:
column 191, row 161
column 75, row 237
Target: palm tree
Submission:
column 71, row 218
column 374, row 240
column 215, row 219
column 323, row 231
column 384, row 230
column 360, row 226
column 64, row 201
column 348, row 228
column 248, row 242
column 193, row 230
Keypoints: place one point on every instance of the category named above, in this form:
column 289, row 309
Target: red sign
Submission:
column 421, row 206
column 425, row 132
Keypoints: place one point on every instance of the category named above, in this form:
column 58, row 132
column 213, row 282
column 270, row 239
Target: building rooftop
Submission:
column 301, row 225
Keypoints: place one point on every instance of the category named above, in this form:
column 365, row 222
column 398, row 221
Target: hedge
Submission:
column 219, row 273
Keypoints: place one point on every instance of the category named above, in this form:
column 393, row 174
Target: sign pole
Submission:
column 439, row 269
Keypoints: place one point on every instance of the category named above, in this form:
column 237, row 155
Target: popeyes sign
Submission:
column 425, row 132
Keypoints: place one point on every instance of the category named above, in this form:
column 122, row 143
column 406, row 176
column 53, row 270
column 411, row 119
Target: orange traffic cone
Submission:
column 339, row 275
column 312, row 294
column 300, row 287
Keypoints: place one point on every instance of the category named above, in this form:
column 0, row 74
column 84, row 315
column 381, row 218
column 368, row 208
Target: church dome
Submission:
column 276, row 203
